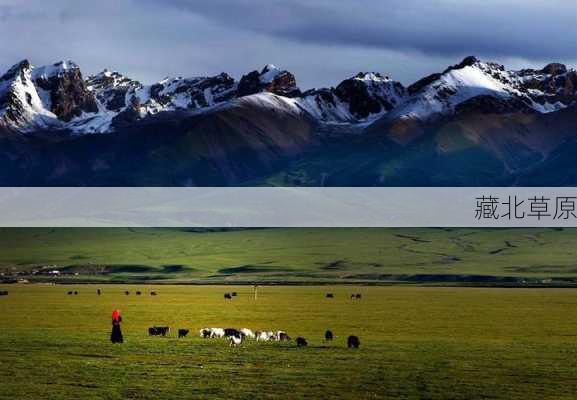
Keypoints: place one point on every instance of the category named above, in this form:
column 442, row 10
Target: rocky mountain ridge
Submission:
column 59, row 97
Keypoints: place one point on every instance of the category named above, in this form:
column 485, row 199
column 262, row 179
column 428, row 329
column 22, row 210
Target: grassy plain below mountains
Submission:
column 416, row 343
column 539, row 256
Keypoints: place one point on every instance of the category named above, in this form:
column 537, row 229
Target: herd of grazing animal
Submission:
column 353, row 296
column 99, row 292
column 237, row 336
column 138, row 293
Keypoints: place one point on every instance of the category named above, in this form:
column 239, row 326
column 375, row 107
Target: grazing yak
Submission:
column 3, row 293
column 217, row 333
column 301, row 342
column 269, row 336
column 163, row 330
column 98, row 292
column 127, row 293
column 248, row 333
column 235, row 340
column 227, row 296
column 153, row 293
column 205, row 333
column 211, row 333
column 329, row 296
column 228, row 332
column 182, row 333
column 233, row 294
column 75, row 293
column 328, row 335
column 138, row 293
column 353, row 342
column 69, row 293
column 158, row 330
column 265, row 336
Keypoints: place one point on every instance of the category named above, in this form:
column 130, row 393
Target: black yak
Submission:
column 353, row 342
column 158, row 330
column 182, row 333
column 228, row 332
column 328, row 336
column 301, row 342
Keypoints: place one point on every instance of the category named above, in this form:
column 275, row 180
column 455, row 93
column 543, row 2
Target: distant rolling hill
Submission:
column 517, row 257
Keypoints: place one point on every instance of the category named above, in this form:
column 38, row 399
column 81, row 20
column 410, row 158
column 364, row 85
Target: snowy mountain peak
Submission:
column 271, row 79
column 371, row 77
column 108, row 78
column 20, row 103
column 269, row 73
column 58, row 69
column 17, row 68
column 359, row 99
column 554, row 69
column 43, row 97
column 370, row 94
column 110, row 88
column 475, row 85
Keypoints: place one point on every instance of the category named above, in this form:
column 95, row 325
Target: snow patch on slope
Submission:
column 57, row 69
column 269, row 72
column 451, row 89
column 326, row 107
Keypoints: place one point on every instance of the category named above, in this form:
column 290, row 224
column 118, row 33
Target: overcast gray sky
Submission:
column 320, row 41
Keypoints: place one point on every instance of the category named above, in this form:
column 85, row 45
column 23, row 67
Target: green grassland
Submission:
column 455, row 256
column 416, row 343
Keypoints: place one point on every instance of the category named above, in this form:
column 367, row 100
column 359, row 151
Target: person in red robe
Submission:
column 116, row 335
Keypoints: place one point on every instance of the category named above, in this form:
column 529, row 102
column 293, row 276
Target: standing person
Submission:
column 116, row 335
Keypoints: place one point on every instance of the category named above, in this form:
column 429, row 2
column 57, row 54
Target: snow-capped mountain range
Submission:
column 58, row 98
